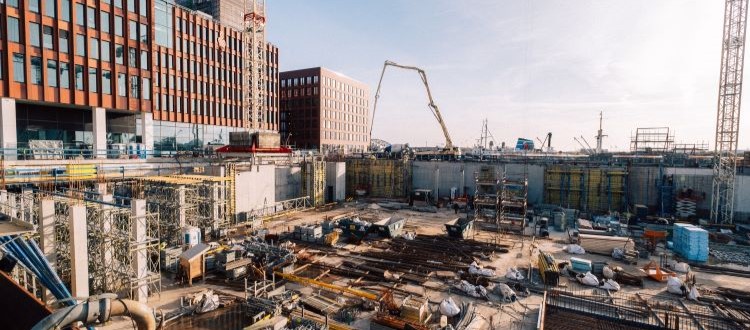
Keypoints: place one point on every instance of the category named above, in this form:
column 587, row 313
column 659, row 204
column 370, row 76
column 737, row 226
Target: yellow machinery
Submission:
column 327, row 286
column 548, row 269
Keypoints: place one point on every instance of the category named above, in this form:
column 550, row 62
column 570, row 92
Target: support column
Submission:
column 8, row 131
column 4, row 207
column 215, row 214
column 46, row 231
column 99, row 119
column 147, row 132
column 140, row 262
column 79, row 255
column 26, row 203
column 182, row 217
column 101, row 189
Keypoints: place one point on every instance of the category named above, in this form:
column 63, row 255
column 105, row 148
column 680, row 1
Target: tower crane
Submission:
column 449, row 148
column 728, row 112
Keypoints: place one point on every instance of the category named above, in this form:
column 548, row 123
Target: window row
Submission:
column 46, row 32
column 292, row 82
column 344, row 136
column 186, row 105
column 59, row 74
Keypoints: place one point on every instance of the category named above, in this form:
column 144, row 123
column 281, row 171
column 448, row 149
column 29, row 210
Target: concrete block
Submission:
column 79, row 256
column 99, row 119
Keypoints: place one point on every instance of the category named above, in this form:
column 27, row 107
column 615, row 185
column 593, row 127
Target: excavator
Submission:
column 449, row 149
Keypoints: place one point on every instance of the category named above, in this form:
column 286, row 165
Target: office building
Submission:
column 94, row 76
column 324, row 110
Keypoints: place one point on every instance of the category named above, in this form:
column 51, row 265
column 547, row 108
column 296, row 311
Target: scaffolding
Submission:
column 650, row 140
column 113, row 246
column 514, row 195
column 188, row 200
column 487, row 194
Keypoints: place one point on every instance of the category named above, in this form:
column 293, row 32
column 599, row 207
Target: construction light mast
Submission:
column 728, row 114
column 254, row 74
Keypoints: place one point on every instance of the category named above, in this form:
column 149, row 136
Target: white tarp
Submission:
column 514, row 274
column 611, row 285
column 477, row 291
column 674, row 285
column 588, row 279
column 475, row 269
column 448, row 307
column 608, row 272
column 574, row 249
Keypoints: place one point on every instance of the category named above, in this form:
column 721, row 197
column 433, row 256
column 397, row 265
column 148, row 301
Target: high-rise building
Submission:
column 324, row 110
column 94, row 76
column 227, row 12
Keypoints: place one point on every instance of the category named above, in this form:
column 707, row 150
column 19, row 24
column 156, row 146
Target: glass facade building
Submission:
column 132, row 58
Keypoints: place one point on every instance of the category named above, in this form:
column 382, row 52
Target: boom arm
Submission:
column 432, row 105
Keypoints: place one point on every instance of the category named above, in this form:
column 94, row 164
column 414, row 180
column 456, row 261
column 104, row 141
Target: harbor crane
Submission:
column 449, row 148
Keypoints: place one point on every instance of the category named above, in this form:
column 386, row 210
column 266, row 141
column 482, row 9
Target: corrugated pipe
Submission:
column 99, row 311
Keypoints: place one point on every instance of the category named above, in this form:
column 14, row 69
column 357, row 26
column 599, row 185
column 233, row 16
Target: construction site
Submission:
column 258, row 235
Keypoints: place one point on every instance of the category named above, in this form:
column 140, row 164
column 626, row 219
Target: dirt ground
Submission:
column 521, row 314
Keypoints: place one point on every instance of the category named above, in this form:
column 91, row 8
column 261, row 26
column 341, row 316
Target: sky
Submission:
column 528, row 67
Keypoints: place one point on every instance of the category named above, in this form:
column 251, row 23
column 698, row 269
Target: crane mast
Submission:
column 449, row 147
column 728, row 113
column 254, row 73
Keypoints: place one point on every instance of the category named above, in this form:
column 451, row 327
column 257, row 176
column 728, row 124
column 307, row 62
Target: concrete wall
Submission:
column 288, row 182
column 442, row 176
column 742, row 199
column 336, row 178
column 255, row 188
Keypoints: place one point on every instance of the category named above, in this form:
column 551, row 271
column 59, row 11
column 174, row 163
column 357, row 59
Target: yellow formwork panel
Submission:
column 585, row 188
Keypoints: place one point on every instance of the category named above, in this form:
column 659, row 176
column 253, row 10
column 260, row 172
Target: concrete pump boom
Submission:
column 449, row 148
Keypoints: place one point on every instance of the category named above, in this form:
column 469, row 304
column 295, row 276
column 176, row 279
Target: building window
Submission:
column 13, row 32
column 131, row 6
column 79, row 77
column 80, row 45
column 118, row 4
column 105, row 51
column 104, row 18
column 34, row 6
column 94, row 48
column 49, row 8
column 146, row 89
column 144, row 60
column 144, row 34
column 47, row 37
column 19, row 67
column 134, row 87
column 80, row 10
column 52, row 73
column 63, row 41
column 93, row 77
column 64, row 75
column 36, row 70
column 118, row 25
column 132, row 58
column 91, row 17
column 119, row 53
column 65, row 10
column 34, row 34
column 132, row 30
column 121, row 85
column 12, row 3
column 106, row 82
column 142, row 8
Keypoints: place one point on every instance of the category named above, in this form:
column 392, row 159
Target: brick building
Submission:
column 96, row 75
column 324, row 110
